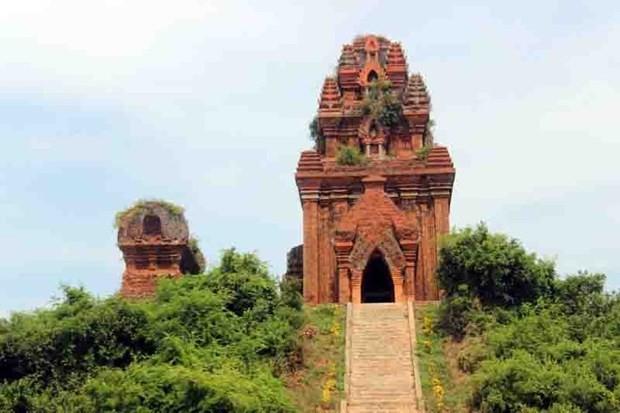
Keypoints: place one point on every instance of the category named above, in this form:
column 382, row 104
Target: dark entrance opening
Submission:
column 377, row 285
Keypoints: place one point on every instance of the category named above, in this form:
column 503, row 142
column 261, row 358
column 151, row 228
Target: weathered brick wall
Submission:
column 372, row 231
column 158, row 252
column 145, row 262
column 142, row 284
column 418, row 184
column 295, row 264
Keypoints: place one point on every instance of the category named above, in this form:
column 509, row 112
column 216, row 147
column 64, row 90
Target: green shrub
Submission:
column 523, row 382
column 214, row 342
column 80, row 335
column 496, row 269
column 454, row 315
column 350, row 155
column 581, row 291
column 172, row 388
column 316, row 134
column 380, row 105
column 470, row 357
column 537, row 363
column 535, row 343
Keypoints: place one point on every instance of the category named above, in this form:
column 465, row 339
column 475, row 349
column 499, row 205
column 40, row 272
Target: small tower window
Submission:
column 373, row 131
column 372, row 76
column 151, row 225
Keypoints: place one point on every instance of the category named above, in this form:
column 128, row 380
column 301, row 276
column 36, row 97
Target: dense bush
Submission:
column 494, row 268
column 80, row 335
column 542, row 363
column 215, row 342
column 536, row 343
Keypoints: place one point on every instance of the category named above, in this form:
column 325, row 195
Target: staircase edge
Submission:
column 414, row 358
column 347, row 357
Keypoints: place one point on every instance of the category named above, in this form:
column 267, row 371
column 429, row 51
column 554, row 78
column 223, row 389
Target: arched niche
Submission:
column 373, row 76
column 151, row 225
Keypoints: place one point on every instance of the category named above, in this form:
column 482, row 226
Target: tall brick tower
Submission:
column 376, row 190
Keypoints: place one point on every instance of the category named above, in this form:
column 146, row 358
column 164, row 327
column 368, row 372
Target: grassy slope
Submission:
column 444, row 387
column 319, row 385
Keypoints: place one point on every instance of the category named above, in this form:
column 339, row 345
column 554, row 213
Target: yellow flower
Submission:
column 427, row 328
column 328, row 387
column 326, row 395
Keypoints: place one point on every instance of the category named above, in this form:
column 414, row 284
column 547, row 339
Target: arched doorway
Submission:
column 377, row 285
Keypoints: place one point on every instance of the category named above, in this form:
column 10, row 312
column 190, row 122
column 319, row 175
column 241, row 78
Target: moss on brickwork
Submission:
column 144, row 206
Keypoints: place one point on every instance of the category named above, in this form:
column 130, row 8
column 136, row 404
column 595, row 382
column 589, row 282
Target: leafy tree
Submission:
column 580, row 291
column 534, row 342
column 214, row 342
column 494, row 268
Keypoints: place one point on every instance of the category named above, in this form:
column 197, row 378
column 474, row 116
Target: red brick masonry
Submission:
column 398, row 204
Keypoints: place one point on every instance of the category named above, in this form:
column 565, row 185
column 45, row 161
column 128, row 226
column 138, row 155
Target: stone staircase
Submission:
column 380, row 365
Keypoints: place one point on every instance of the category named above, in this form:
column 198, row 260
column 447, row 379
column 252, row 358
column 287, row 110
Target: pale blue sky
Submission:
column 206, row 103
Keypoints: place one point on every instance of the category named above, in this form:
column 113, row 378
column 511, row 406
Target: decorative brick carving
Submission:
column 362, row 218
column 386, row 244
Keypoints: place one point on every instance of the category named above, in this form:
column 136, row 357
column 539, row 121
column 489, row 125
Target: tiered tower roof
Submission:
column 348, row 58
column 396, row 55
column 330, row 96
column 416, row 97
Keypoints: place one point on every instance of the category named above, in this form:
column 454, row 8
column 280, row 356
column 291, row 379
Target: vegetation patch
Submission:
column 381, row 105
column 443, row 388
column 351, row 156
column 319, row 385
column 429, row 133
column 423, row 152
column 219, row 342
column 528, row 340
column 316, row 134
column 143, row 206
column 192, row 244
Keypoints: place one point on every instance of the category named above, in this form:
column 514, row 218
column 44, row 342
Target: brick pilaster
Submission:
column 311, row 248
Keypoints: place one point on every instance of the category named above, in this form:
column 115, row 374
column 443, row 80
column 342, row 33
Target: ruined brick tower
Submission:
column 154, row 239
column 371, row 225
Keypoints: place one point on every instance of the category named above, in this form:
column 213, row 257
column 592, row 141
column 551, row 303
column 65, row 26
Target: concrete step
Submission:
column 381, row 407
column 381, row 369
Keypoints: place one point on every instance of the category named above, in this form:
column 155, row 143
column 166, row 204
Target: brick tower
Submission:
column 371, row 224
column 154, row 239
